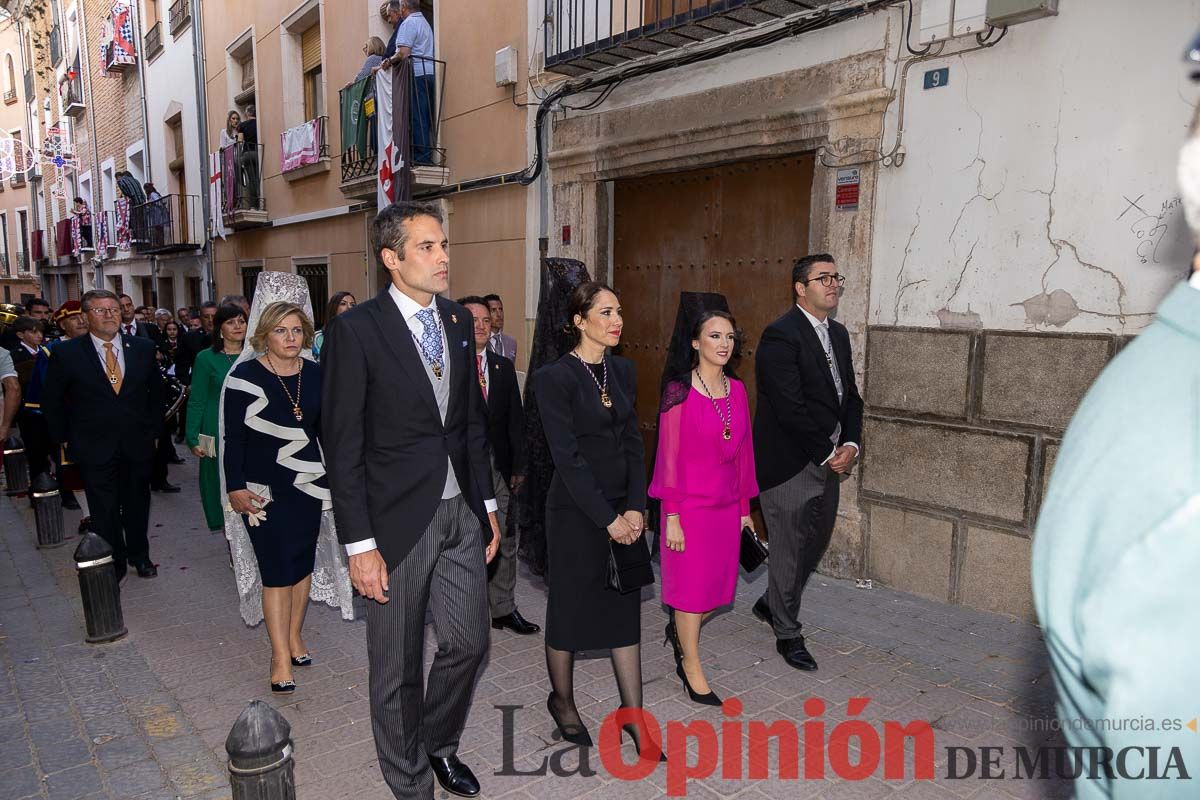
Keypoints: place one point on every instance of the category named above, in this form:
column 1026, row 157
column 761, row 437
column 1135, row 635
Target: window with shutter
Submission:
column 310, row 48
column 310, row 55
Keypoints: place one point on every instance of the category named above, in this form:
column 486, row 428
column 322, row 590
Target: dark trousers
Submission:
column 421, row 111
column 248, row 184
column 446, row 575
column 118, row 495
column 800, row 514
column 162, row 455
column 502, row 572
column 37, row 442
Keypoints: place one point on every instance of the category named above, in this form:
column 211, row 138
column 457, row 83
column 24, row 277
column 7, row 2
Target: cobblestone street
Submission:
column 146, row 717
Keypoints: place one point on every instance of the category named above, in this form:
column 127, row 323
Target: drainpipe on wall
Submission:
column 147, row 160
column 200, row 62
column 86, row 80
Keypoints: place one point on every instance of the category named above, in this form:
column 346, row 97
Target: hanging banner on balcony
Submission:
column 215, row 194
column 395, row 134
column 355, row 122
column 117, row 49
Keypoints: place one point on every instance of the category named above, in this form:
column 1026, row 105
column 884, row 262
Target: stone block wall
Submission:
column 961, row 433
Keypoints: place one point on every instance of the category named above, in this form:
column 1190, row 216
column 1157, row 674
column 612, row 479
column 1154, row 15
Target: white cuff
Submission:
column 857, row 449
column 366, row 545
column 491, row 506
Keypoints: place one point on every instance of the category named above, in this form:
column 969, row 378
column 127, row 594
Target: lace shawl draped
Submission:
column 331, row 574
column 560, row 276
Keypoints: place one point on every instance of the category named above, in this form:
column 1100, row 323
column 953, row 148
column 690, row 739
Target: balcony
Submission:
column 4, row 264
column 360, row 143
column 170, row 224
column 242, row 202
column 152, row 44
column 303, row 150
column 73, row 105
column 23, row 269
column 592, row 35
column 55, row 46
column 10, row 97
column 181, row 15
column 17, row 180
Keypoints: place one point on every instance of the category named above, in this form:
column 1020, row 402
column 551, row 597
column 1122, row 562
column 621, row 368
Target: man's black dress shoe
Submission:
column 795, row 654
column 515, row 623
column 763, row 611
column 168, row 488
column 454, row 776
column 146, row 570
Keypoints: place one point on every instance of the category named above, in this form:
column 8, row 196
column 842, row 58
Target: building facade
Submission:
column 945, row 167
column 18, row 277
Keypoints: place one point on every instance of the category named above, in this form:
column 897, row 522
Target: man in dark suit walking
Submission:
column 806, row 429
column 103, row 400
column 410, row 471
column 131, row 325
column 506, row 435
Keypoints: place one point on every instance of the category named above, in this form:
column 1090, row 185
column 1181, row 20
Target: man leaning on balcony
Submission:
column 413, row 38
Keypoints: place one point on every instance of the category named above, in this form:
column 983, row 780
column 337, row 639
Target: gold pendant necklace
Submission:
column 605, row 400
column 295, row 401
column 726, row 415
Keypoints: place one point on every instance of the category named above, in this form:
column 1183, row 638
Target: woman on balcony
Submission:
column 229, row 134
column 84, row 215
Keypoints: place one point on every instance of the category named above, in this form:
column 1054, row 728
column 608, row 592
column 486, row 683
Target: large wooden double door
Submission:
column 735, row 229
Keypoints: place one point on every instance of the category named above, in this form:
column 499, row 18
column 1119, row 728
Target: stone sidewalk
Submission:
column 147, row 717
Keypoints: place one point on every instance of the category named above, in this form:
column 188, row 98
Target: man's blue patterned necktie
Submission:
column 431, row 341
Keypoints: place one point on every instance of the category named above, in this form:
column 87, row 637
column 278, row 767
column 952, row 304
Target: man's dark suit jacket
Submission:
column 384, row 440
column 143, row 329
column 83, row 411
column 191, row 344
column 798, row 408
column 505, row 419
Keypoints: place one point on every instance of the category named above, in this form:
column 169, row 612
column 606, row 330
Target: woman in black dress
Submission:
column 275, row 474
column 587, row 404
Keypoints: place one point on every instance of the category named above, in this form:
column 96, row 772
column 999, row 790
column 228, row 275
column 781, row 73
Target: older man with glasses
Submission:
column 806, row 429
column 103, row 400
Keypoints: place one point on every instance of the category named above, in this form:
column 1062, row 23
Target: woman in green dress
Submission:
column 204, row 403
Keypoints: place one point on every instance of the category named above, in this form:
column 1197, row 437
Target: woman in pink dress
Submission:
column 704, row 476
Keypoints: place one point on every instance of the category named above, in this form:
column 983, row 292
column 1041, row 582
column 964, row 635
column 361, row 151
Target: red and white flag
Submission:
column 215, row 184
column 395, row 139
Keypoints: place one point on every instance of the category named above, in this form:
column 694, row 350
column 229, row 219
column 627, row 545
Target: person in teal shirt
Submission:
column 1116, row 554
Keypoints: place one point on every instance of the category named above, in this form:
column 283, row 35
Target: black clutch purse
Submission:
column 629, row 566
column 754, row 550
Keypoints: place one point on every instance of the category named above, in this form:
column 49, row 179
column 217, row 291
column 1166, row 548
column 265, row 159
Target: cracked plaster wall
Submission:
column 1038, row 191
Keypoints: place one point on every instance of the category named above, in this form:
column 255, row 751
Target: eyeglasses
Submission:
column 827, row 280
column 105, row 312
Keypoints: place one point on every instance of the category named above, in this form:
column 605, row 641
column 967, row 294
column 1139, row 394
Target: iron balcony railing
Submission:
column 358, row 161
column 10, row 96
column 586, row 35
column 181, row 12
column 243, row 163
column 426, row 92
column 22, row 262
column 152, row 43
column 167, row 225
column 4, row 264
column 55, row 46
column 304, row 144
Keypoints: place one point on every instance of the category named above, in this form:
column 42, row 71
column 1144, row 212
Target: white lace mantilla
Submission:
column 331, row 575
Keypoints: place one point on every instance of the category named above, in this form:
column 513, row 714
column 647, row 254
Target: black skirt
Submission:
column 582, row 613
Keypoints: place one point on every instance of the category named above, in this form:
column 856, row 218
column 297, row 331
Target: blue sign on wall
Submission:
column 937, row 78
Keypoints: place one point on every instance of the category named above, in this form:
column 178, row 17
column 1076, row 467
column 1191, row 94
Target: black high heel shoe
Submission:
column 575, row 734
column 283, row 687
column 709, row 699
column 662, row 755
column 672, row 636
column 302, row 661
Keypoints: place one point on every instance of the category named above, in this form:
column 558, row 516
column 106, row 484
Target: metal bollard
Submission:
column 47, row 511
column 99, row 590
column 16, row 466
column 260, row 755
